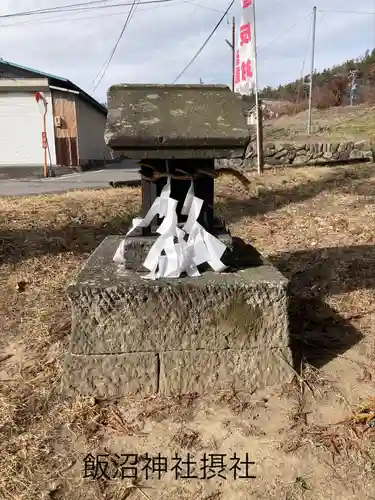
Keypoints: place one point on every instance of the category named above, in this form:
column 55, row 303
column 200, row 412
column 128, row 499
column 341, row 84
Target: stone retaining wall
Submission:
column 277, row 153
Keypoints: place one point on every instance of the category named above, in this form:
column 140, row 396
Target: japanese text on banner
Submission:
column 244, row 79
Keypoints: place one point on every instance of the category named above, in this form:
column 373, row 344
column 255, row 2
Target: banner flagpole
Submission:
column 42, row 103
column 246, row 77
column 259, row 122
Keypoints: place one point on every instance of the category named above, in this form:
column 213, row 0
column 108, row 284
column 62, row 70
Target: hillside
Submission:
column 331, row 87
column 344, row 123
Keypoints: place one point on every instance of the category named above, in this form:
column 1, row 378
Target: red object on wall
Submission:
column 44, row 140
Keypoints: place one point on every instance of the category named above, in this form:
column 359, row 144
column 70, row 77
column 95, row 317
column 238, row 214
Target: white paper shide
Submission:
column 177, row 250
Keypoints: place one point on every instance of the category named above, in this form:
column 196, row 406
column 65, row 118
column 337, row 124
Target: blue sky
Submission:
column 161, row 39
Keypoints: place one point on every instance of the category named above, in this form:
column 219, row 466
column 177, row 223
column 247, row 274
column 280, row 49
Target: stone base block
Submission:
column 189, row 334
column 206, row 371
column 111, row 375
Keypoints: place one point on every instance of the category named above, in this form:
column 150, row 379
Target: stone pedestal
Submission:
column 219, row 331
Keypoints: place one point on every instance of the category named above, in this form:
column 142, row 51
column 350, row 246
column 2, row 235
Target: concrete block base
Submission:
column 215, row 332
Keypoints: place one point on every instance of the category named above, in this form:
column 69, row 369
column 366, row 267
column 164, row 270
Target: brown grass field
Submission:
column 311, row 439
column 344, row 123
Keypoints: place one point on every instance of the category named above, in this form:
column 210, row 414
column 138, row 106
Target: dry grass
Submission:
column 311, row 439
column 344, row 123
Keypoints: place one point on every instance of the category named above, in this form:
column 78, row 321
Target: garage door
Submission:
column 21, row 129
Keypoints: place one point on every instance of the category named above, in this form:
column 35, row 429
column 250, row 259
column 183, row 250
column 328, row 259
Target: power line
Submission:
column 51, row 9
column 108, row 62
column 61, row 8
column 204, row 7
column 92, row 4
column 69, row 16
column 286, row 32
column 205, row 43
column 346, row 11
column 78, row 7
column 302, row 83
column 306, row 48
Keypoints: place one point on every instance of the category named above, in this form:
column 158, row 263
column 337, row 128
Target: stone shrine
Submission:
column 194, row 332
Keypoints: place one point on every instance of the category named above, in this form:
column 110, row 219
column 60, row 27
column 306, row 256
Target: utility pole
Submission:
column 353, row 85
column 312, row 71
column 233, row 49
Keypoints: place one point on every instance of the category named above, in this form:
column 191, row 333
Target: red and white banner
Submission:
column 244, row 79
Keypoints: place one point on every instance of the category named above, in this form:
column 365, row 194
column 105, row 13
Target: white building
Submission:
column 75, row 122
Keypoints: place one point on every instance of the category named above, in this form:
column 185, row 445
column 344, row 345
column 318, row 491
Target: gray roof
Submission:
column 55, row 80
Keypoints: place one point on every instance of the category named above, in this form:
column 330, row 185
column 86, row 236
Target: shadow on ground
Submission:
column 275, row 199
column 318, row 332
column 77, row 238
column 16, row 245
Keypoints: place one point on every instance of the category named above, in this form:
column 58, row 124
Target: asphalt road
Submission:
column 84, row 180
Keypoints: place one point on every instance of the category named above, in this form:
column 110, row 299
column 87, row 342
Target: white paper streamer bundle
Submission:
column 184, row 249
